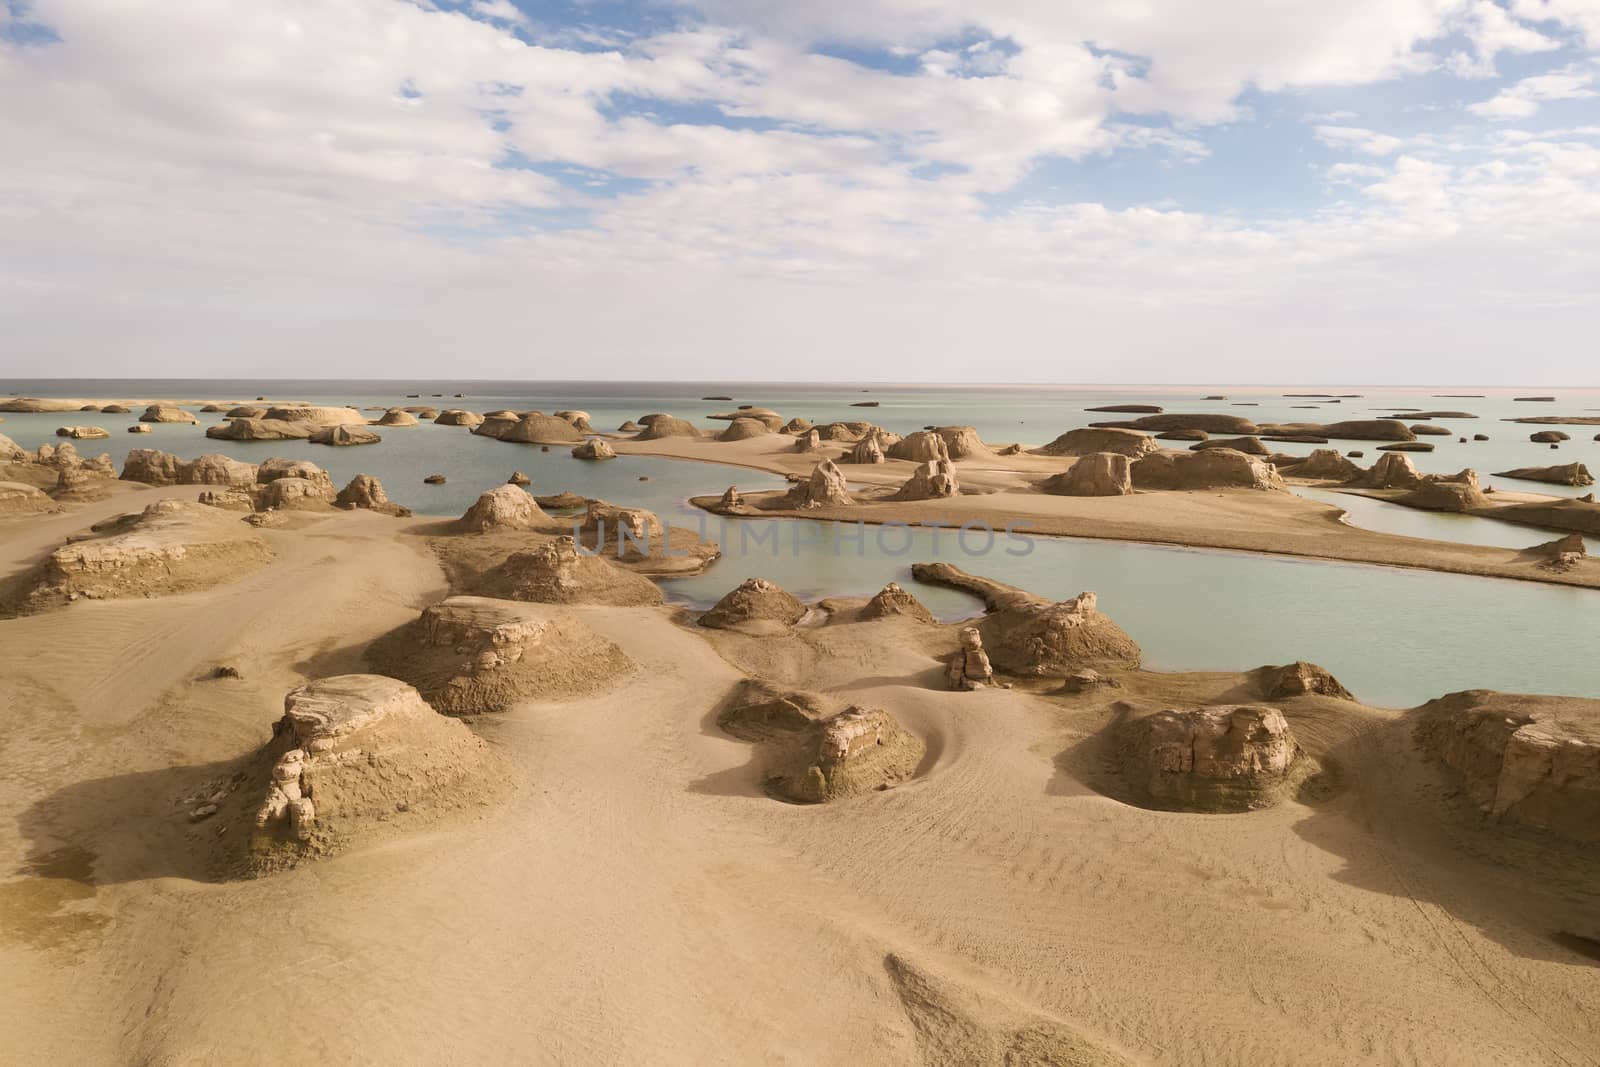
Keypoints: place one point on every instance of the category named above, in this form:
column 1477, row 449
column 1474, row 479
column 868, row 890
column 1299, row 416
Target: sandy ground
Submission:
column 642, row 900
column 1243, row 520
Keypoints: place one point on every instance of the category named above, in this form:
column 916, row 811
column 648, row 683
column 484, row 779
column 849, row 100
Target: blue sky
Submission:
column 900, row 182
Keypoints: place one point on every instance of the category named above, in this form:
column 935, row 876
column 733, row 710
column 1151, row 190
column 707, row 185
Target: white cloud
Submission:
column 1367, row 142
column 1523, row 99
column 499, row 10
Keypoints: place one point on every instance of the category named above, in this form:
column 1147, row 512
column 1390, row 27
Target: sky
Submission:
column 1369, row 191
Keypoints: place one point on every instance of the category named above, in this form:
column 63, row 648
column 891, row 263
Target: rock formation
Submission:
column 1030, row 635
column 894, row 602
column 757, row 605
column 166, row 413
column 17, row 498
column 825, row 488
column 922, row 446
column 1460, row 493
column 1549, row 437
column 742, row 429
column 457, row 417
column 867, row 450
column 1250, row 446
column 538, row 429
column 83, row 433
column 366, row 492
column 1230, row 757
column 962, row 442
column 1226, row 424
column 354, row 756
column 732, row 503
column 1391, row 471
column 344, row 436
column 138, row 427
column 1096, row 474
column 796, row 425
column 932, row 480
column 657, row 427
column 172, row 546
column 470, row 655
column 558, row 573
column 1532, row 761
column 594, row 448
column 808, row 441
column 1564, row 474
column 969, row 668
column 1581, row 515
column 1423, row 429
column 1560, row 555
column 1326, row 464
column 621, row 533
column 1352, row 430
column 1087, row 442
column 253, row 429
column 1299, row 679
column 505, row 507
column 396, row 417
column 1218, row 468
column 294, row 494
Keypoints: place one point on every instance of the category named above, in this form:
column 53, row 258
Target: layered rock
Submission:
column 962, row 442
column 457, row 417
column 795, row 425
column 969, row 668
column 538, row 429
column 1231, row 757
column 1218, row 468
column 166, row 413
column 1324, row 463
column 173, row 546
column 867, row 450
column 742, row 429
column 83, row 433
column 594, row 448
column 1088, row 442
column 1030, row 635
column 470, row 655
column 1582, row 516
column 932, row 480
column 1096, row 474
column 1250, row 446
column 294, row 494
column 367, row 493
column 154, row 467
column 825, row 488
column 1391, row 471
column 1210, row 423
column 1350, row 430
column 17, row 498
column 659, row 426
column 1563, row 474
column 1458, row 494
column 923, row 446
column 621, row 533
column 1561, row 555
column 557, row 572
column 1532, row 761
column 894, row 602
column 396, row 417
column 345, row 436
column 808, row 441
column 505, row 507
column 756, row 605
column 355, row 756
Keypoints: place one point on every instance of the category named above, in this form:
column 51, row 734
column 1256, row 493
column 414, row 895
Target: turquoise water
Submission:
column 1395, row 637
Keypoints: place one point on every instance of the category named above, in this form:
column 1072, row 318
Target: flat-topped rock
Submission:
column 295, row 494
column 505, row 507
column 152, row 466
column 557, row 572
column 1391, row 471
column 1349, row 430
column 1210, row 423
column 260, row 429
column 963, row 442
column 343, row 435
column 1232, row 757
column 1531, row 761
column 1250, row 446
column 1562, row 474
column 83, row 433
column 470, row 655
column 1096, row 474
column 1325, row 464
column 920, row 447
column 1217, row 468
column 1459, row 493
column 166, row 413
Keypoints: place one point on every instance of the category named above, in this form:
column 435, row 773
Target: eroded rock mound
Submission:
column 757, row 605
column 253, row 429
column 1226, row 424
column 1560, row 555
column 1350, row 430
column 538, row 429
column 1391, row 471
column 17, row 498
column 83, row 433
column 345, row 436
column 594, row 448
column 962, row 442
column 154, row 467
column 825, row 488
column 173, row 546
column 356, row 756
column 367, row 493
column 1457, row 494
column 1563, row 474
column 470, row 655
column 867, row 450
column 557, row 572
column 1231, row 757
column 932, row 480
column 1218, row 468
column 457, row 417
column 1529, row 760
column 1097, row 474
column 742, row 429
column 166, row 413
column 1250, row 446
column 808, row 441
column 1324, row 463
column 657, row 427
column 969, row 668
column 505, row 507
column 894, row 602
column 1299, row 679
column 923, row 446
column 1027, row 634
column 396, row 417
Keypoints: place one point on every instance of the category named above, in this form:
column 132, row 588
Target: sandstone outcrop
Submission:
column 1299, row 679
column 1326, row 464
column 83, row 433
column 867, row 450
column 1231, row 757
column 1210, row 423
column 923, row 446
column 1407, row 446
column 808, row 442
column 1423, row 429
column 1217, row 468
column 1250, row 446
column 932, row 480
column 894, row 602
column 1391, row 471
column 457, row 417
column 342, row 435
column 594, row 448
column 824, row 488
column 396, row 417
column 742, row 429
column 757, row 605
column 366, row 492
column 294, row 494
column 537, row 429
column 1549, row 437
column 621, row 533
column 629, row 426
column 849, row 431
column 495, row 425
column 1096, row 474
column 1351, row 430
column 470, row 655
column 1564, row 474
column 557, row 572
column 1029, row 635
column 505, row 507
column 1460, row 493
column 354, row 756
column 138, row 427
column 17, row 498
column 962, row 442
column 252, row 429
column 969, row 668
column 1532, row 761
column 166, row 413
column 796, row 425
column 1087, row 442
column 657, row 427
column 172, row 546
column 245, row 411
column 1560, row 555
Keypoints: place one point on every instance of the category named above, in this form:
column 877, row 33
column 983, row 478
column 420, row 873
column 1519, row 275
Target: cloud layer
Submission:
column 1405, row 190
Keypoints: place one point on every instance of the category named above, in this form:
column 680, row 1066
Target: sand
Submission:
column 639, row 897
